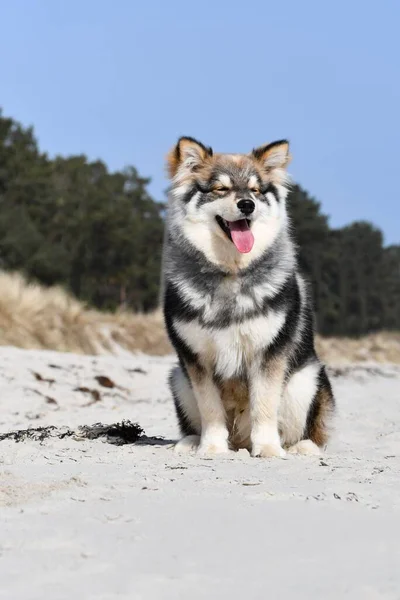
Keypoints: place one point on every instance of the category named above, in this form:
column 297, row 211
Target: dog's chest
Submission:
column 227, row 299
column 231, row 350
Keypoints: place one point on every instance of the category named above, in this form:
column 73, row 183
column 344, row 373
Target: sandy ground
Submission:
column 88, row 519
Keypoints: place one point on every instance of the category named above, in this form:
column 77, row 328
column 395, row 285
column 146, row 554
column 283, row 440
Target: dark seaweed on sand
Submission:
column 119, row 434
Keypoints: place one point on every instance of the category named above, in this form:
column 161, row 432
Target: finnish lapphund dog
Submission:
column 236, row 308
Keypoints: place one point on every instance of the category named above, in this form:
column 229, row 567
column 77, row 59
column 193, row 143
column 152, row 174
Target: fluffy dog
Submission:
column 237, row 310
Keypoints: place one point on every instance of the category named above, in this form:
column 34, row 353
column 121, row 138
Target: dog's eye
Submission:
column 255, row 190
column 221, row 189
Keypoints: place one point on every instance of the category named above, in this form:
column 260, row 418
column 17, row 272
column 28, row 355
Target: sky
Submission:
column 121, row 80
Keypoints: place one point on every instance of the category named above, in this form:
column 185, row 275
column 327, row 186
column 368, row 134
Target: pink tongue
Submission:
column 241, row 235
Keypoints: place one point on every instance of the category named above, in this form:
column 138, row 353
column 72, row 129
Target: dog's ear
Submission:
column 273, row 156
column 188, row 154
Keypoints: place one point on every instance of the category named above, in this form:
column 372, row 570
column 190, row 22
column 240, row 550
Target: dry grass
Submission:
column 32, row 316
column 381, row 347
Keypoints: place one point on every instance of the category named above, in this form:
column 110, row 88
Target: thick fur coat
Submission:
column 237, row 310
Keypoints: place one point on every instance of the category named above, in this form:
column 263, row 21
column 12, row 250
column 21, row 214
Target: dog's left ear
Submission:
column 273, row 156
column 187, row 155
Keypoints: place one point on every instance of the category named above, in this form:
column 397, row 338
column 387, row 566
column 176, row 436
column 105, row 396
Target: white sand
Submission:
column 92, row 520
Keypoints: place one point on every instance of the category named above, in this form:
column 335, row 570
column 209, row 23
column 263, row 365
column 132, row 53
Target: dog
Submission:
column 237, row 310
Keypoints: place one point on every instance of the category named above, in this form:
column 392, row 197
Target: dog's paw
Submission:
column 268, row 451
column 213, row 448
column 187, row 444
column 305, row 448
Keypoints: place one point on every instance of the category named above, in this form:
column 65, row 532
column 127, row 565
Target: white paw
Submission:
column 187, row 444
column 268, row 451
column 214, row 440
column 306, row 448
column 213, row 448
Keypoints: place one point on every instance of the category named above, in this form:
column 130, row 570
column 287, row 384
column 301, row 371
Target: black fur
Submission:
column 172, row 304
column 184, row 423
column 289, row 298
column 316, row 405
column 270, row 189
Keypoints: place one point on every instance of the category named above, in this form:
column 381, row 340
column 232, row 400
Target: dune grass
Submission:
column 33, row 316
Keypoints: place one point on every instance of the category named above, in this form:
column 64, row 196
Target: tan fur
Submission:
column 269, row 151
column 174, row 157
column 319, row 433
column 207, row 163
column 236, row 401
column 195, row 373
column 235, row 398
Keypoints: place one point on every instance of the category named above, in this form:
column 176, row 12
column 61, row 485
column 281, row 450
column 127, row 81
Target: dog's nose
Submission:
column 246, row 206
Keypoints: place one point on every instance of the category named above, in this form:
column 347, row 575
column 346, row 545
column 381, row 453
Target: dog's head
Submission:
column 228, row 205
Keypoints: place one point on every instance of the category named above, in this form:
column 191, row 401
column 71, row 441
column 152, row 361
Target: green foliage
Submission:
column 72, row 222
column 356, row 281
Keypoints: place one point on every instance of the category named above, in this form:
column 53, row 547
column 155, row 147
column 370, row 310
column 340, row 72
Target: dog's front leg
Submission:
column 214, row 432
column 266, row 388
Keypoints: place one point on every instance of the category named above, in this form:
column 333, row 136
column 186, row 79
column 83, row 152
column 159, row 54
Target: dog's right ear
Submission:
column 187, row 155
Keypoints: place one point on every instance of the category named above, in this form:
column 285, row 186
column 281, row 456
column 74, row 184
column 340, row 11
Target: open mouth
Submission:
column 238, row 232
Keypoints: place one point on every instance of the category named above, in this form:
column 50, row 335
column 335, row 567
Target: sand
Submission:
column 89, row 519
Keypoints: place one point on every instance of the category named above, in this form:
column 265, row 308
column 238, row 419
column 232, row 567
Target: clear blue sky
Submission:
column 121, row 80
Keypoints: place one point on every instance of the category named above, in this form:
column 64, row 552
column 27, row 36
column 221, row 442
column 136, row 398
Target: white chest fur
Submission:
column 230, row 349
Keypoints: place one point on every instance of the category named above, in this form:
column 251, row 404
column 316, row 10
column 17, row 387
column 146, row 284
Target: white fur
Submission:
column 231, row 292
column 228, row 291
column 274, row 205
column 186, row 398
column 187, row 444
column 253, row 182
column 299, row 392
column 191, row 157
column 244, row 303
column 268, row 451
column 214, row 432
column 232, row 347
column 271, row 287
column 199, row 225
column 305, row 448
column 266, row 386
column 265, row 441
column 179, row 191
column 303, row 301
column 276, row 157
column 225, row 180
column 211, row 241
column 190, row 294
column 282, row 188
column 203, row 406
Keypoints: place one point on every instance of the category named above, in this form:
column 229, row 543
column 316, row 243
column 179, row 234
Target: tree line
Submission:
column 72, row 222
